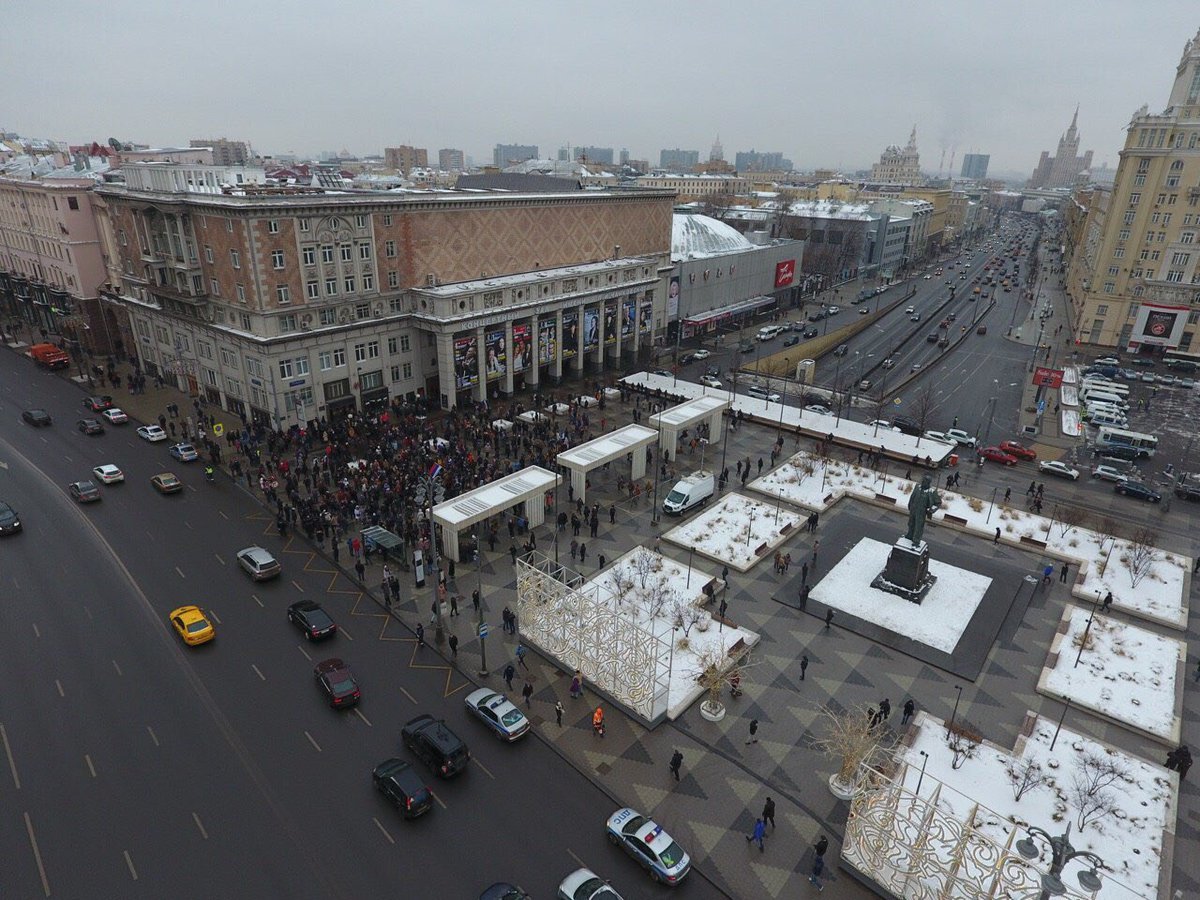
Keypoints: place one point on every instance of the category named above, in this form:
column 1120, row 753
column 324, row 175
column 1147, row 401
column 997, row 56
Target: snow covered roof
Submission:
column 697, row 237
column 829, row 209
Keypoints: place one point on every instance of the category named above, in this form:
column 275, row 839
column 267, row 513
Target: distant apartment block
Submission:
column 975, row 166
column 598, row 155
column 680, row 160
column 753, row 161
column 405, row 158
column 506, row 155
column 451, row 160
column 224, row 152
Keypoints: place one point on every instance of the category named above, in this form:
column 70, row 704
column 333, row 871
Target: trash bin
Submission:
column 954, row 459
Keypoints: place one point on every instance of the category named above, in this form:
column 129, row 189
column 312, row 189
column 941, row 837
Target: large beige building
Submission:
column 286, row 305
column 899, row 165
column 405, row 158
column 1134, row 274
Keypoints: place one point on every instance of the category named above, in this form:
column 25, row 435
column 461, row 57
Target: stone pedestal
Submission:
column 907, row 572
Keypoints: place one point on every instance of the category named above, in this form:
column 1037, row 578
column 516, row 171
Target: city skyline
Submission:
column 1004, row 83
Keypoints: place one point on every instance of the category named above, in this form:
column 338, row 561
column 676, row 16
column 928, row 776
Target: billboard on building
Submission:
column 497, row 354
column 627, row 320
column 548, row 340
column 1161, row 326
column 785, row 273
column 570, row 334
column 1044, row 376
column 466, row 362
column 522, row 348
column 673, row 298
column 647, row 316
column 591, row 329
column 610, row 323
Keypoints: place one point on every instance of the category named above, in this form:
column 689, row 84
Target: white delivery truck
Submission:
column 691, row 490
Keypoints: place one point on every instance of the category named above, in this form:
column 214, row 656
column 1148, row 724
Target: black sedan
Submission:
column 1138, row 491
column 84, row 491
column 396, row 780
column 36, row 417
column 90, row 426
column 311, row 619
column 98, row 404
column 338, row 682
column 10, row 522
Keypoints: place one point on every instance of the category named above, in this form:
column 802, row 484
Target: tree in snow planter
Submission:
column 1089, row 791
column 684, row 617
column 1143, row 550
column 962, row 739
column 644, row 564
column 1026, row 775
column 850, row 740
column 1107, row 529
column 715, row 669
column 1070, row 518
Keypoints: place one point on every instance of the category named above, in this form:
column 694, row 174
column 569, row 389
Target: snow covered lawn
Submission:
column 730, row 531
column 807, row 480
column 938, row 621
column 1126, row 673
column 656, row 593
column 1129, row 839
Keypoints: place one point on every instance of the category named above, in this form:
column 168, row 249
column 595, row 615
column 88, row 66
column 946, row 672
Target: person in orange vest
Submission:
column 598, row 721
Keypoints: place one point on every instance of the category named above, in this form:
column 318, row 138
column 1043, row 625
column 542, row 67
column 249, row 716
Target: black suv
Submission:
column 310, row 618
column 396, row 780
column 1126, row 452
column 436, row 745
column 907, row 426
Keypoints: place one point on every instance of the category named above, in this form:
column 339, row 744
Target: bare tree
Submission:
column 1026, row 775
column 1107, row 529
column 962, row 740
column 1071, row 517
column 716, row 668
column 1090, row 782
column 685, row 616
column 849, row 740
column 1143, row 551
column 923, row 406
column 644, row 564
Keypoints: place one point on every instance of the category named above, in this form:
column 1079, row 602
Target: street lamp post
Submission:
column 924, row 761
column 1061, row 853
column 479, row 625
column 1087, row 630
column 439, row 634
column 691, row 550
column 954, row 715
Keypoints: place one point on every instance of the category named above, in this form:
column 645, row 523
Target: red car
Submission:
column 1020, row 451
column 338, row 682
column 995, row 454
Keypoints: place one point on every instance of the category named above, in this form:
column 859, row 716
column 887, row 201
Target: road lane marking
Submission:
column 573, row 856
column 297, row 587
column 150, row 535
column 313, row 741
column 35, row 629
column 129, row 862
column 58, row 684
column 200, row 825
column 153, row 736
column 91, row 768
column 68, row 459
column 188, row 525
column 89, row 613
column 222, row 514
column 117, row 666
column 485, row 768
column 259, row 602
column 407, row 694
column 257, row 672
column 342, row 631
column 212, row 615
column 358, row 712
column 438, row 799
column 180, row 571
column 379, row 825
column 12, row 763
column 37, row 855
column 218, row 556
column 300, row 647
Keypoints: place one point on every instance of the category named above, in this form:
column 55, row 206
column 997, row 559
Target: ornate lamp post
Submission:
column 1061, row 853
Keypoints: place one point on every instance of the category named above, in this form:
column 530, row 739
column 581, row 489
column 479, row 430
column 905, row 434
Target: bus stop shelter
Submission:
column 383, row 541
column 701, row 410
column 528, row 486
column 582, row 459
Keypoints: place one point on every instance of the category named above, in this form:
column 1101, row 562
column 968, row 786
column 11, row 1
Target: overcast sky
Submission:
column 828, row 84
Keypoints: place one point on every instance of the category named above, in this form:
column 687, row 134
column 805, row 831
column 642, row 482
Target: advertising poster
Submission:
column 647, row 316
column 673, row 298
column 627, row 320
column 547, row 341
column 610, row 323
column 522, row 350
column 497, row 354
column 785, row 273
column 570, row 334
column 466, row 362
column 591, row 329
column 1159, row 325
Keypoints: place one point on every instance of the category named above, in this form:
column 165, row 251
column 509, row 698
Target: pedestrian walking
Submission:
column 510, row 672
column 804, row 573
column 753, row 739
column 1184, row 755
column 582, row 553
column 453, row 605
column 527, row 692
column 828, row 618
column 475, row 599
column 577, row 685
column 420, row 635
column 574, row 548
column 816, row 547
column 1046, row 573
column 1197, row 675
column 768, row 813
column 787, row 562
column 996, row 539
column 454, row 646
column 1062, row 573
column 1007, row 494
column 521, row 651
column 512, row 551
column 816, row 520
column 803, row 666
column 778, row 562
column 760, row 828
column 821, row 846
column 558, row 711
column 725, row 573
column 360, row 570
column 1108, row 601
column 909, row 709
column 600, row 561
column 676, row 762
column 598, row 722
column 885, row 709
column 817, row 868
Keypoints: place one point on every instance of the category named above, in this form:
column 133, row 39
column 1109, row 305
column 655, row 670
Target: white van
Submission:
column 769, row 331
column 1110, row 419
column 761, row 393
column 1111, row 387
column 692, row 490
column 1105, row 397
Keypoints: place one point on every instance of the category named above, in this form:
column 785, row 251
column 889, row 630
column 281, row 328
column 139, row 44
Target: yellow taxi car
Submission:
column 192, row 625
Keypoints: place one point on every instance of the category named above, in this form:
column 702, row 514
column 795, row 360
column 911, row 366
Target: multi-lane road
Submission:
column 132, row 766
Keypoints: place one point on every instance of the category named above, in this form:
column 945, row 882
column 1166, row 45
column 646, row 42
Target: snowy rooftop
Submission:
column 608, row 447
column 696, row 237
column 689, row 411
column 830, row 209
column 496, row 496
column 499, row 281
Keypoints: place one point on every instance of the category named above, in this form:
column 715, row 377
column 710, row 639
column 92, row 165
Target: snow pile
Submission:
column 1125, row 672
column 733, row 529
column 938, row 621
